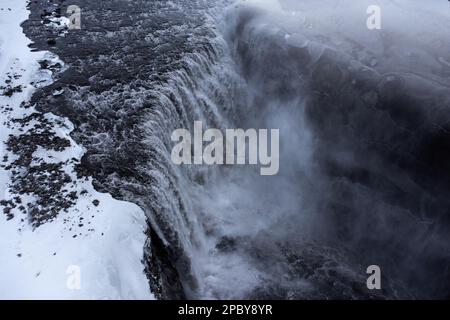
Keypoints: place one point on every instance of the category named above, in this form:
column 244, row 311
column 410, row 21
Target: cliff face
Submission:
column 375, row 125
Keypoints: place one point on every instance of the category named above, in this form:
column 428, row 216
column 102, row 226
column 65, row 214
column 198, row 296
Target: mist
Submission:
column 358, row 111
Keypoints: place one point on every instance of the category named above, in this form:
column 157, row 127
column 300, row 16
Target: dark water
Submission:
column 364, row 171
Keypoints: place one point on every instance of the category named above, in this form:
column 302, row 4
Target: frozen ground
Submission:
column 90, row 249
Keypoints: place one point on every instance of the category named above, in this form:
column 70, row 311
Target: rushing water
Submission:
column 358, row 184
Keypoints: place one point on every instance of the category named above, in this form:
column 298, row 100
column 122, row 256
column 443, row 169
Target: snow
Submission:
column 88, row 252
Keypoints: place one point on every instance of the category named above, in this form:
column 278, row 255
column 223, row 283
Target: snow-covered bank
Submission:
column 98, row 241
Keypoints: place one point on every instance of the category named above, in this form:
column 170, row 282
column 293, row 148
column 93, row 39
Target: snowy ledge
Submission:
column 89, row 249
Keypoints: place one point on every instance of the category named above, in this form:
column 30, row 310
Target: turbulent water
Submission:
column 364, row 165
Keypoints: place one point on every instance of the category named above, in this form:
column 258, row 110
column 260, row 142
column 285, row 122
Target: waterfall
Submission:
column 355, row 185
